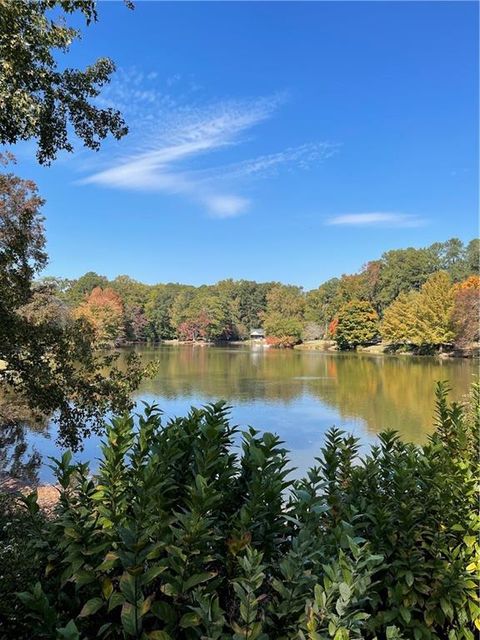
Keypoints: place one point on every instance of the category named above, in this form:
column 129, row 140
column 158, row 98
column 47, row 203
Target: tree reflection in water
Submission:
column 297, row 394
column 17, row 459
column 395, row 392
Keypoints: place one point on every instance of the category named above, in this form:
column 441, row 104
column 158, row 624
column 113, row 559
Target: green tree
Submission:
column 472, row 257
column 352, row 287
column 39, row 100
column 207, row 302
column 134, row 296
column 133, row 293
column 357, row 324
column 402, row 270
column 179, row 311
column 191, row 305
column 158, row 311
column 278, row 326
column 252, row 302
column 451, row 257
column 247, row 301
column 288, row 300
column 284, row 314
column 371, row 276
column 322, row 304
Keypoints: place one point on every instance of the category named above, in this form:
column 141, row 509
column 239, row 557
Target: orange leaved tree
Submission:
column 103, row 309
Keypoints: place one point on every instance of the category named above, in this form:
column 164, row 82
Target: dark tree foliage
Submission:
column 403, row 270
column 466, row 316
column 472, row 257
column 38, row 99
column 46, row 356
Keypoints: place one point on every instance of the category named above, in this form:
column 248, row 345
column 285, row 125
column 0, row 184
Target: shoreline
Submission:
column 325, row 346
column 48, row 494
column 329, row 346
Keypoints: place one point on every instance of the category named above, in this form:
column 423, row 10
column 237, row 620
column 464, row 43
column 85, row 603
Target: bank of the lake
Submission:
column 472, row 351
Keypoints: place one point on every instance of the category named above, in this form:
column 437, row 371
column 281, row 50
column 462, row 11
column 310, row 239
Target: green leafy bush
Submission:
column 180, row 537
column 19, row 533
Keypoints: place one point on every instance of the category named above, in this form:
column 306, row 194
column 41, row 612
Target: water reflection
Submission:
column 383, row 391
column 297, row 394
column 18, row 459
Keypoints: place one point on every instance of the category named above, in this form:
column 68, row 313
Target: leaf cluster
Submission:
column 38, row 99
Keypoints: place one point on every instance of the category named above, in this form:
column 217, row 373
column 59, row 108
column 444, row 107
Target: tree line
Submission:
column 419, row 297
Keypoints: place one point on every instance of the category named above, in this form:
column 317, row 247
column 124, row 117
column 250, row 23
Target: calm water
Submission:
column 297, row 394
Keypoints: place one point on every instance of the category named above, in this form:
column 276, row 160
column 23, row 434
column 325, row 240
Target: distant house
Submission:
column 257, row 334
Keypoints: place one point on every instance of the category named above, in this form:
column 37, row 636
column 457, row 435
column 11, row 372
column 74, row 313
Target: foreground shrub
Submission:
column 179, row 537
column 20, row 530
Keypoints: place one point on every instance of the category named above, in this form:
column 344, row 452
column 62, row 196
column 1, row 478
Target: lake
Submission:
column 296, row 394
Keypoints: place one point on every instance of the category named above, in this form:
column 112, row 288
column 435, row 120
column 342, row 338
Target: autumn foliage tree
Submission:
column 398, row 325
column 466, row 312
column 103, row 309
column 197, row 328
column 434, row 312
column 423, row 318
column 357, row 324
column 332, row 327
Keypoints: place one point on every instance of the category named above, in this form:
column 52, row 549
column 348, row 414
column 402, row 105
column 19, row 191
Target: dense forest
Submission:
column 417, row 297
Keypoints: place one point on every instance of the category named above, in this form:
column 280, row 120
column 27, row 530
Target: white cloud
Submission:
column 226, row 206
column 376, row 219
column 170, row 137
column 196, row 133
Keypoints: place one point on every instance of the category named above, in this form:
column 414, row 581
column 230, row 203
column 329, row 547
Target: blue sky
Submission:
column 270, row 141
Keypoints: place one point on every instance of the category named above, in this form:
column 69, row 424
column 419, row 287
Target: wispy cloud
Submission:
column 171, row 137
column 377, row 219
column 301, row 157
